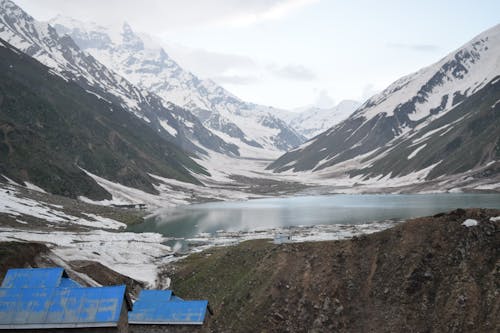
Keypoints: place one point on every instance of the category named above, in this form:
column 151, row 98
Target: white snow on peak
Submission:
column 313, row 120
column 41, row 41
column 463, row 71
column 143, row 61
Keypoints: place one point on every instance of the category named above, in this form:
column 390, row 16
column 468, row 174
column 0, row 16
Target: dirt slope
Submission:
column 427, row 275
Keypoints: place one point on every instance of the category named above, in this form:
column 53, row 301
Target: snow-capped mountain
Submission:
column 64, row 57
column 314, row 120
column 54, row 133
column 442, row 120
column 145, row 63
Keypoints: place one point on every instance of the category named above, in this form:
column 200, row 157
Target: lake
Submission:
column 242, row 216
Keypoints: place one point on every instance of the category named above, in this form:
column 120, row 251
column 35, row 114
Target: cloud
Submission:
column 165, row 15
column 235, row 79
column 275, row 11
column 293, row 72
column 368, row 91
column 208, row 63
column 233, row 68
column 414, row 47
column 324, row 100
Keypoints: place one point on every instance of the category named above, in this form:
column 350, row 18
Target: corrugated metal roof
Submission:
column 154, row 296
column 163, row 307
column 60, row 307
column 68, row 283
column 33, row 277
column 169, row 313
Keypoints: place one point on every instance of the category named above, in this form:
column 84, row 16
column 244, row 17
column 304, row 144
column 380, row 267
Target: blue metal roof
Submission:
column 162, row 307
column 154, row 296
column 60, row 307
column 68, row 283
column 33, row 278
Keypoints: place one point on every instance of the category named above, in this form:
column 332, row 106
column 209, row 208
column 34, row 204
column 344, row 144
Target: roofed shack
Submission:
column 47, row 300
column 158, row 311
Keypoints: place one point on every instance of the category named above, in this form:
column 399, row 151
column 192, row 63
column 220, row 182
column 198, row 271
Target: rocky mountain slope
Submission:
column 145, row 63
column 52, row 131
column 62, row 54
column 442, row 120
column 431, row 274
column 313, row 120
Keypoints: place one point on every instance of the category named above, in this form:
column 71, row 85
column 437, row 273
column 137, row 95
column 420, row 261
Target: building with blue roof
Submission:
column 162, row 311
column 47, row 300
column 34, row 277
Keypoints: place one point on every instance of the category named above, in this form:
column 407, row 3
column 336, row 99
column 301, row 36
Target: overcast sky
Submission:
column 291, row 53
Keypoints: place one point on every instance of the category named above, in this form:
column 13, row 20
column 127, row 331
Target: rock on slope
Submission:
column 62, row 54
column 426, row 275
column 441, row 120
column 145, row 63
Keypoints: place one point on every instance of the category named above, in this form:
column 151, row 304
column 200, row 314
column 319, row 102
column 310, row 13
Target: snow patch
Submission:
column 34, row 187
column 470, row 223
column 132, row 254
column 14, row 205
column 415, row 152
column 168, row 128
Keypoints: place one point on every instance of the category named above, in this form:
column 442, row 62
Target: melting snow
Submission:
column 168, row 128
column 415, row 152
column 34, row 187
column 132, row 254
column 16, row 206
column 470, row 223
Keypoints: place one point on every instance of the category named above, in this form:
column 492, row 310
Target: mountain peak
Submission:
column 130, row 39
column 127, row 29
column 13, row 11
column 443, row 112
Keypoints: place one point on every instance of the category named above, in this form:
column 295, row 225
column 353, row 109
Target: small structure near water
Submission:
column 130, row 206
column 282, row 238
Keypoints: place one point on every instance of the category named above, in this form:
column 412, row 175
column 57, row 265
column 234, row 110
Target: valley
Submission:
column 374, row 213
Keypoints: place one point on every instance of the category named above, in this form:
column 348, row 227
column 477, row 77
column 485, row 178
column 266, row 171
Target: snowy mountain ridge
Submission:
column 441, row 85
column 145, row 63
column 314, row 120
column 437, row 122
column 60, row 53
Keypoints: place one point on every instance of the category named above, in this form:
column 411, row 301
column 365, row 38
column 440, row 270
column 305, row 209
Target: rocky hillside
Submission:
column 441, row 120
column 431, row 274
column 51, row 129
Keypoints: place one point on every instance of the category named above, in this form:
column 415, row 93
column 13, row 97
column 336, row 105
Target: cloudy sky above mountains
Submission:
column 290, row 53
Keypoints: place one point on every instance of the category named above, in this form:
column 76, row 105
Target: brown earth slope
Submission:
column 427, row 275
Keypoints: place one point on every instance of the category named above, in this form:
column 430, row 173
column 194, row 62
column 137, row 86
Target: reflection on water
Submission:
column 189, row 221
